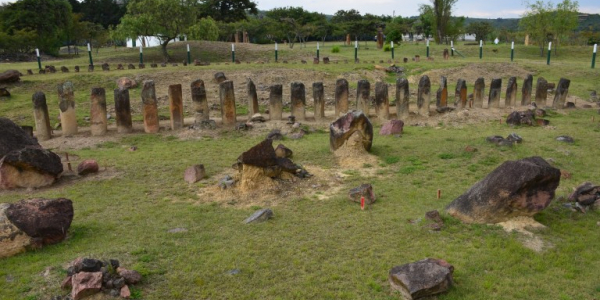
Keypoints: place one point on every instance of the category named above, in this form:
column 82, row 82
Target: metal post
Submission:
column 452, row 48
column 188, row 54
column 355, row 50
column 317, row 50
column 232, row 53
column 480, row 49
column 141, row 55
column 549, row 51
column 275, row 52
column 392, row 49
column 512, row 51
column 90, row 54
column 427, row 47
column 37, row 53
column 594, row 56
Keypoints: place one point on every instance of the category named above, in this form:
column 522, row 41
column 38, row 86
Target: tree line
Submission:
column 52, row 24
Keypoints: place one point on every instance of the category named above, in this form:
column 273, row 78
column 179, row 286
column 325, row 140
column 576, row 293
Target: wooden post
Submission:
column 150, row 107
column 402, row 98
column 424, row 96
column 123, row 111
column 460, row 94
column 478, row 92
column 560, row 97
column 176, row 106
column 68, row 118
column 276, row 102
column 363, row 92
column 252, row 98
column 511, row 92
column 526, row 90
column 442, row 93
column 319, row 97
column 43, row 131
column 199, row 101
column 98, row 112
column 541, row 91
column 227, row 95
column 495, row 91
column 382, row 101
column 341, row 97
column 298, row 100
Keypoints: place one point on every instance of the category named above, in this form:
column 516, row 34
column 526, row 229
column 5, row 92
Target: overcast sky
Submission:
column 406, row 8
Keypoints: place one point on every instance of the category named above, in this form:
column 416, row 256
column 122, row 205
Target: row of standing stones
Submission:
column 201, row 109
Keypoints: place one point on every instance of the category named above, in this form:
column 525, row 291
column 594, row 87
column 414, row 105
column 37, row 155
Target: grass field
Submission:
column 314, row 248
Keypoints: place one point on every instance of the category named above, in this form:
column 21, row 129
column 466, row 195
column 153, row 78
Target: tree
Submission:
column 426, row 20
column 479, row 29
column 205, row 29
column 347, row 22
column 441, row 10
column 537, row 22
column 565, row 20
column 48, row 18
column 395, row 28
column 226, row 10
column 165, row 19
column 104, row 12
column 294, row 23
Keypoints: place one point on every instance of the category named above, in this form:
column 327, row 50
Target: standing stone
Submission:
column 442, row 93
column 478, row 92
column 495, row 91
column 424, row 96
column 319, row 97
column 150, row 107
column 363, row 92
column 298, row 100
column 276, row 102
column 98, row 125
column 511, row 92
column 526, row 90
column 402, row 98
column 199, row 101
column 176, row 106
column 40, row 114
column 123, row 111
column 541, row 91
column 194, row 173
column 252, row 98
column 561, row 93
column 460, row 94
column 382, row 101
column 341, row 97
column 227, row 95
column 68, row 118
column 220, row 77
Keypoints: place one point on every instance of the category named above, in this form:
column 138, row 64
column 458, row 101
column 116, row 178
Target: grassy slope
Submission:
column 320, row 249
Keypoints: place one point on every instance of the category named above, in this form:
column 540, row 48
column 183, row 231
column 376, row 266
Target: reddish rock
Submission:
column 345, row 126
column 10, row 76
column 125, row 293
column 364, row 190
column 126, row 83
column 67, row 283
column 130, row 276
column 423, row 278
column 87, row 166
column 86, row 284
column 45, row 220
column 262, row 155
column 194, row 173
column 392, row 127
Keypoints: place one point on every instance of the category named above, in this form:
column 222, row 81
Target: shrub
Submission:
column 335, row 49
column 387, row 48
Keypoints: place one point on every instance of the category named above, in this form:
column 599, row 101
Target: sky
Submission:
column 469, row 8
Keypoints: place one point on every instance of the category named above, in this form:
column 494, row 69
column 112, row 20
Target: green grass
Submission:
column 316, row 249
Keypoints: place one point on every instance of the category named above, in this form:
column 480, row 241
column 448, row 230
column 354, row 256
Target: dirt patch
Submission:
column 524, row 226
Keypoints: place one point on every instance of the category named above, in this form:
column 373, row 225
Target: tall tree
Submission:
column 479, row 29
column 295, row 23
column 348, row 22
column 165, row 19
column 441, row 10
column 104, row 12
column 537, row 22
column 565, row 20
column 226, row 10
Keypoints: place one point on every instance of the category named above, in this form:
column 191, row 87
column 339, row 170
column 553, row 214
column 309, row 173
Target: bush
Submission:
column 335, row 49
column 387, row 48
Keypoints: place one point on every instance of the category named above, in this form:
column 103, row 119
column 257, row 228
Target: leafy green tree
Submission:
column 565, row 20
column 537, row 22
column 347, row 22
column 104, row 12
column 227, row 11
column 395, row 28
column 441, row 11
column 427, row 20
column 205, row 29
column 165, row 19
column 293, row 23
column 48, row 18
column 480, row 29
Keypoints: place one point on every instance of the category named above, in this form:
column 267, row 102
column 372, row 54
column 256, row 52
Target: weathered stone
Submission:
column 252, row 98
column 341, row 97
column 298, row 100
column 260, row 215
column 12, row 239
column 29, row 167
column 442, row 93
column 382, row 101
column 521, row 118
column 402, row 98
column 276, row 102
column 176, row 106
column 64, row 69
column 220, row 77
column 91, row 265
column 123, row 111
column 511, row 92
column 566, row 139
column 345, row 126
column 86, row 284
column 68, row 119
column 130, row 67
column 98, row 118
column 275, row 135
column 194, row 173
column 40, row 114
column 150, row 107
column 364, row 190
column 105, row 67
column 526, row 90
column 516, row 188
column 460, row 94
column 87, row 166
column 67, row 283
column 560, row 97
column 262, row 155
column 495, row 91
column 423, row 96
column 199, row 101
column 319, row 98
column 283, row 151
column 586, row 194
column 227, row 96
column 76, row 69
column 478, row 92
column 126, row 83
column 46, row 221
column 423, row 278
column 392, row 127
column 10, row 76
column 125, row 293
column 363, row 92
column 541, row 91
column 130, row 276
column 513, row 137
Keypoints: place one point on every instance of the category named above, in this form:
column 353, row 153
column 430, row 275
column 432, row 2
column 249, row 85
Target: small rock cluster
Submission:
column 88, row 276
column 509, row 141
column 528, row 117
column 586, row 196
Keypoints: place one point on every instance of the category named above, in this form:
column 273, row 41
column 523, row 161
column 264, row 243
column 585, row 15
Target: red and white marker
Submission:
column 362, row 203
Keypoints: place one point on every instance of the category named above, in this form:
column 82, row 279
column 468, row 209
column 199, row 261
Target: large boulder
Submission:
column 423, row 278
column 347, row 125
column 262, row 155
column 516, row 188
column 23, row 162
column 10, row 76
column 33, row 223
